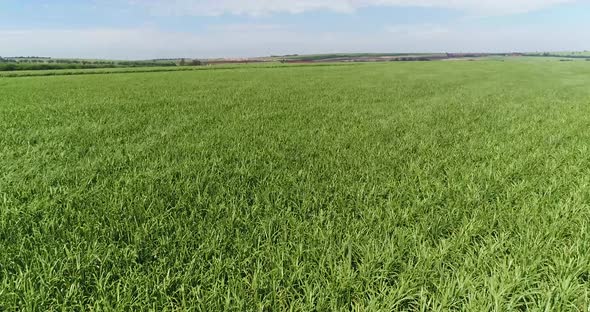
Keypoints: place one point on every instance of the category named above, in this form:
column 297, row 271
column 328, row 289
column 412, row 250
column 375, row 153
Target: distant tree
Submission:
column 182, row 62
column 196, row 63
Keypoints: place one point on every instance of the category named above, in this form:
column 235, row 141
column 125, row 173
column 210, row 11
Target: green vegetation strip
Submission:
column 16, row 74
column 381, row 187
column 97, row 71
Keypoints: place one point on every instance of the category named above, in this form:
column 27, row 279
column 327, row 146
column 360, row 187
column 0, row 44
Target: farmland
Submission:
column 34, row 64
column 383, row 186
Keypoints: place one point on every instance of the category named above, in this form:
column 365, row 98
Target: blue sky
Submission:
column 142, row 29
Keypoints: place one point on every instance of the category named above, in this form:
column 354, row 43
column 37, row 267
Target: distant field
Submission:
column 62, row 72
column 11, row 65
column 522, row 59
column 575, row 53
column 102, row 71
column 319, row 57
column 69, row 72
column 429, row 186
column 572, row 54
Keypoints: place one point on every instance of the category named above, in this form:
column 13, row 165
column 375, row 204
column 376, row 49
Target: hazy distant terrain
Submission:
column 46, row 63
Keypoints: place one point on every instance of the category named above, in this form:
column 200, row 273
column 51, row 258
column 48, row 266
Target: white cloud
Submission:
column 261, row 40
column 419, row 30
column 97, row 43
column 247, row 27
column 263, row 7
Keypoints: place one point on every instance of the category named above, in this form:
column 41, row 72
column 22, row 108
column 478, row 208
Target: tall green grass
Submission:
column 376, row 187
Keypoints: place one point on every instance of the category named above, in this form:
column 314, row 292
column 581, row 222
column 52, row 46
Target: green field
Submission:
column 12, row 64
column 566, row 54
column 320, row 57
column 421, row 186
column 126, row 70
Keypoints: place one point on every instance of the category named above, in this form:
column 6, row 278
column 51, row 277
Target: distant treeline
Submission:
column 321, row 57
column 36, row 63
column 580, row 56
column 42, row 66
